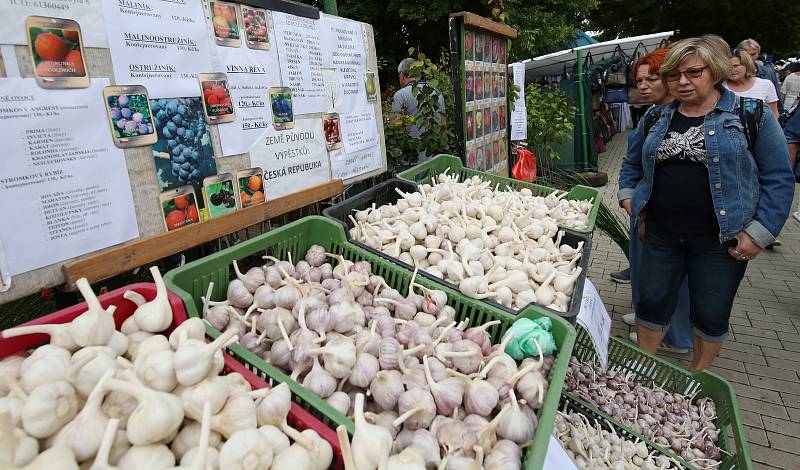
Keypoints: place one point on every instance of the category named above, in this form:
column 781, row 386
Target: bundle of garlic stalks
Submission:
column 97, row 398
column 425, row 380
column 491, row 243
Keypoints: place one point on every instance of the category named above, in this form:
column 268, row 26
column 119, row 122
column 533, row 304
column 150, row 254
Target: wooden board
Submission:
column 143, row 251
column 474, row 21
column 145, row 185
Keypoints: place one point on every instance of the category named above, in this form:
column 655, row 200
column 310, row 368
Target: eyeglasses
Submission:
column 691, row 74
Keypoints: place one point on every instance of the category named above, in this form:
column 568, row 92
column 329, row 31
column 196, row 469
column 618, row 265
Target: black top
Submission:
column 681, row 200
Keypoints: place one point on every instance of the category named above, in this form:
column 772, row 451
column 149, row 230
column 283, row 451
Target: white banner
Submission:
column 293, row 159
column 161, row 44
column 250, row 74
column 300, row 55
column 519, row 117
column 87, row 13
column 64, row 189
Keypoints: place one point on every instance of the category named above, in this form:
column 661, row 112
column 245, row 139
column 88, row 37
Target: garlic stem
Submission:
column 284, row 334
column 403, row 417
column 109, row 436
column 344, row 444
column 134, row 297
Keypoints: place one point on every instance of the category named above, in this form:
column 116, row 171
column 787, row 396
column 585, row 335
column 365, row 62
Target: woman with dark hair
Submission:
column 705, row 203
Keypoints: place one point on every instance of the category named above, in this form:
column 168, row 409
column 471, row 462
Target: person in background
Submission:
column 764, row 71
column 790, row 89
column 405, row 102
column 679, row 338
column 705, row 204
column 743, row 81
column 791, row 131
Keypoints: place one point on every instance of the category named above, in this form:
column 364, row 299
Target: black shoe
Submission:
column 622, row 277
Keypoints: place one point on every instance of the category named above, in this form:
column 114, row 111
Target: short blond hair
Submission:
column 747, row 61
column 712, row 50
column 750, row 44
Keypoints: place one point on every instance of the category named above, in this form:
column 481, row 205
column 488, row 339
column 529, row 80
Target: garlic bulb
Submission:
column 409, row 459
column 189, row 436
column 95, row 326
column 16, row 447
column 246, row 450
column 59, row 335
column 47, row 364
column 147, row 456
column 84, row 433
column 386, row 388
column 157, row 415
column 193, row 328
column 371, row 444
column 340, row 402
column 417, row 409
column 295, row 456
column 88, row 365
column 447, row 394
column 49, row 407
column 238, row 413
column 319, row 380
column 194, row 359
column 214, row 391
column 278, row 441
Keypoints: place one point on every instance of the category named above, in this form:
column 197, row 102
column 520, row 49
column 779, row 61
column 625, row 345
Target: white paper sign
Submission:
column 519, row 117
column 87, row 13
column 64, row 187
column 300, row 54
column 250, row 74
column 162, row 44
column 359, row 130
column 292, row 159
column 556, row 458
column 344, row 51
column 594, row 318
column 349, row 165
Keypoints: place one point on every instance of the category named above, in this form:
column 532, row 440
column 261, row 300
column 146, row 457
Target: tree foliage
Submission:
column 775, row 24
column 550, row 117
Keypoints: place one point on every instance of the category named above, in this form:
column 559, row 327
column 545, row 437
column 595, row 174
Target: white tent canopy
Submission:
column 557, row 62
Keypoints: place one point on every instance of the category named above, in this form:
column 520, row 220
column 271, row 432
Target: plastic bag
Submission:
column 525, row 331
column 525, row 168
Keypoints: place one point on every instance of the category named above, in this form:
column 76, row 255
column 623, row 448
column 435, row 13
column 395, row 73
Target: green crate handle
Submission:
column 630, row 359
column 191, row 280
column 424, row 173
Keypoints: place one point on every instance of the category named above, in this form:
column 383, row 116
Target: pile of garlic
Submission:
column 592, row 447
column 503, row 245
column 100, row 399
column 431, row 383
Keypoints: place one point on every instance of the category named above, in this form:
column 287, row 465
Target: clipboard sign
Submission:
column 594, row 318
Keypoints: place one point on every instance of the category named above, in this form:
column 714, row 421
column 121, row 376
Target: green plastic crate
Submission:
column 424, row 173
column 649, row 369
column 191, row 281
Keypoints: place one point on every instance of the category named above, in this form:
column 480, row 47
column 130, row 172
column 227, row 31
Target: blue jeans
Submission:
column 713, row 278
column 680, row 330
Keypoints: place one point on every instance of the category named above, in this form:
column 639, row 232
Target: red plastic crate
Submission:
column 298, row 418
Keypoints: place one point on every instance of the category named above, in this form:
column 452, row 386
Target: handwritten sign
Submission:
column 359, row 130
column 519, row 117
column 594, row 318
column 349, row 165
column 344, row 52
column 300, row 61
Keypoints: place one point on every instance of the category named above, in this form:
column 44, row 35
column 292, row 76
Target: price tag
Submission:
column 557, row 458
column 594, row 318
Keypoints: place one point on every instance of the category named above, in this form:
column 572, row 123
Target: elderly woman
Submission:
column 743, row 81
column 653, row 90
column 705, row 204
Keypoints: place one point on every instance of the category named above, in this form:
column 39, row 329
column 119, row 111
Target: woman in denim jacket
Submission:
column 704, row 203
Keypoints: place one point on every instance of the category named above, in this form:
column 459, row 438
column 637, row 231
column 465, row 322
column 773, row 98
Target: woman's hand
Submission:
column 745, row 249
column 626, row 204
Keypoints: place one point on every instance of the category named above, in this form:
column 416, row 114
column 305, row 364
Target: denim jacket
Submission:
column 750, row 192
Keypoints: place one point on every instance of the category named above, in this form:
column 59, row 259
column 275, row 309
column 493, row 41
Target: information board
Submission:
column 255, row 62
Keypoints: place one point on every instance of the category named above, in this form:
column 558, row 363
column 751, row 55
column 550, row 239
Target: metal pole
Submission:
column 330, row 7
column 582, row 114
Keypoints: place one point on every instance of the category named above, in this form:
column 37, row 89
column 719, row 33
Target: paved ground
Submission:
column 762, row 357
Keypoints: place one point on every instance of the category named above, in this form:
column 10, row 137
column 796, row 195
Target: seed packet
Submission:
column 487, row 49
column 487, row 85
column 370, row 84
column 495, row 119
column 502, row 117
column 225, row 20
column 479, row 47
column 478, row 85
column 330, row 128
column 256, row 28
column 179, row 207
column 468, row 45
column 495, row 50
column 487, row 121
column 470, row 126
column 480, row 161
column 130, row 116
column 251, row 187
column 219, row 195
column 280, row 99
column 56, row 48
column 217, row 103
column 478, row 123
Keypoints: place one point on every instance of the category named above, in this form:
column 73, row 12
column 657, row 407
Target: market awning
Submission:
column 557, row 62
